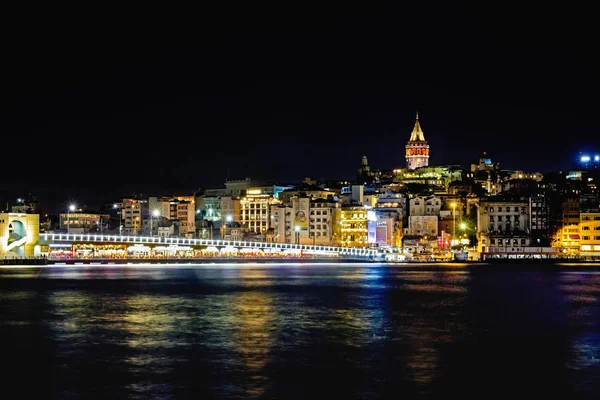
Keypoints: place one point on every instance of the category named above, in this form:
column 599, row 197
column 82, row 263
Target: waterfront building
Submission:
column 539, row 213
column 417, row 148
column 183, row 211
column 324, row 221
column 306, row 221
column 503, row 222
column 354, row 227
column 388, row 228
column 255, row 210
column 568, row 237
column 84, row 222
column 131, row 215
column 589, row 234
column 281, row 227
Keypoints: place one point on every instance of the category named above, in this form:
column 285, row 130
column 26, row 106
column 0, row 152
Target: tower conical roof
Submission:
column 417, row 133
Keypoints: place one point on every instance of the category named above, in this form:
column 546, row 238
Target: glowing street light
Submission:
column 69, row 210
column 155, row 213
column 228, row 219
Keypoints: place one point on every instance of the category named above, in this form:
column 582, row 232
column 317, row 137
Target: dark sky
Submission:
column 99, row 103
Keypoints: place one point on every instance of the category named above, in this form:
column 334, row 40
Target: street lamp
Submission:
column 463, row 227
column 297, row 229
column 71, row 208
column 116, row 206
column 453, row 222
column 155, row 213
column 228, row 219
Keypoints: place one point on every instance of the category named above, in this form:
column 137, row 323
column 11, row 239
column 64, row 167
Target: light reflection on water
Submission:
column 300, row 330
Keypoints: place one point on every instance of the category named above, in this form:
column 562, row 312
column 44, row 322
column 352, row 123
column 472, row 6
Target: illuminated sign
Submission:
column 371, row 216
column 254, row 191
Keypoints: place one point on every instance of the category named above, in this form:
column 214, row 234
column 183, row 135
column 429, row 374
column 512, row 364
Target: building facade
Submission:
column 503, row 224
column 421, row 205
column 417, row 148
column 184, row 211
column 131, row 215
column 323, row 228
column 589, row 234
column 423, row 225
column 255, row 211
column 353, row 226
column 79, row 222
column 568, row 237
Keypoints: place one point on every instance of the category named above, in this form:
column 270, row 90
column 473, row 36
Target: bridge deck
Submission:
column 95, row 238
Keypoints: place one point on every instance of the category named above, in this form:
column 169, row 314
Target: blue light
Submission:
column 597, row 158
column 585, row 158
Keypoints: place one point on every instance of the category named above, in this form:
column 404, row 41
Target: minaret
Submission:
column 417, row 148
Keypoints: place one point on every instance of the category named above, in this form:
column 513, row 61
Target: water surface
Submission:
column 300, row 331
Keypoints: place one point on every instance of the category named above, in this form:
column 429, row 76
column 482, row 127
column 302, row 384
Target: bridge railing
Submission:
column 88, row 237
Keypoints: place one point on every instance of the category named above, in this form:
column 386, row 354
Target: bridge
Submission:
column 346, row 252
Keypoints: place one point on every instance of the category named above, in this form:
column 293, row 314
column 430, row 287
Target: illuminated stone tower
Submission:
column 417, row 148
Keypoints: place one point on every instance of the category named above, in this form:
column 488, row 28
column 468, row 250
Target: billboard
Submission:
column 301, row 214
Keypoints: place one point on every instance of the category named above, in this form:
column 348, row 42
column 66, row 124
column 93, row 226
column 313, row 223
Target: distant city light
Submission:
column 597, row 158
column 585, row 158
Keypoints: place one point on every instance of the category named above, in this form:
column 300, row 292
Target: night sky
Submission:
column 99, row 103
